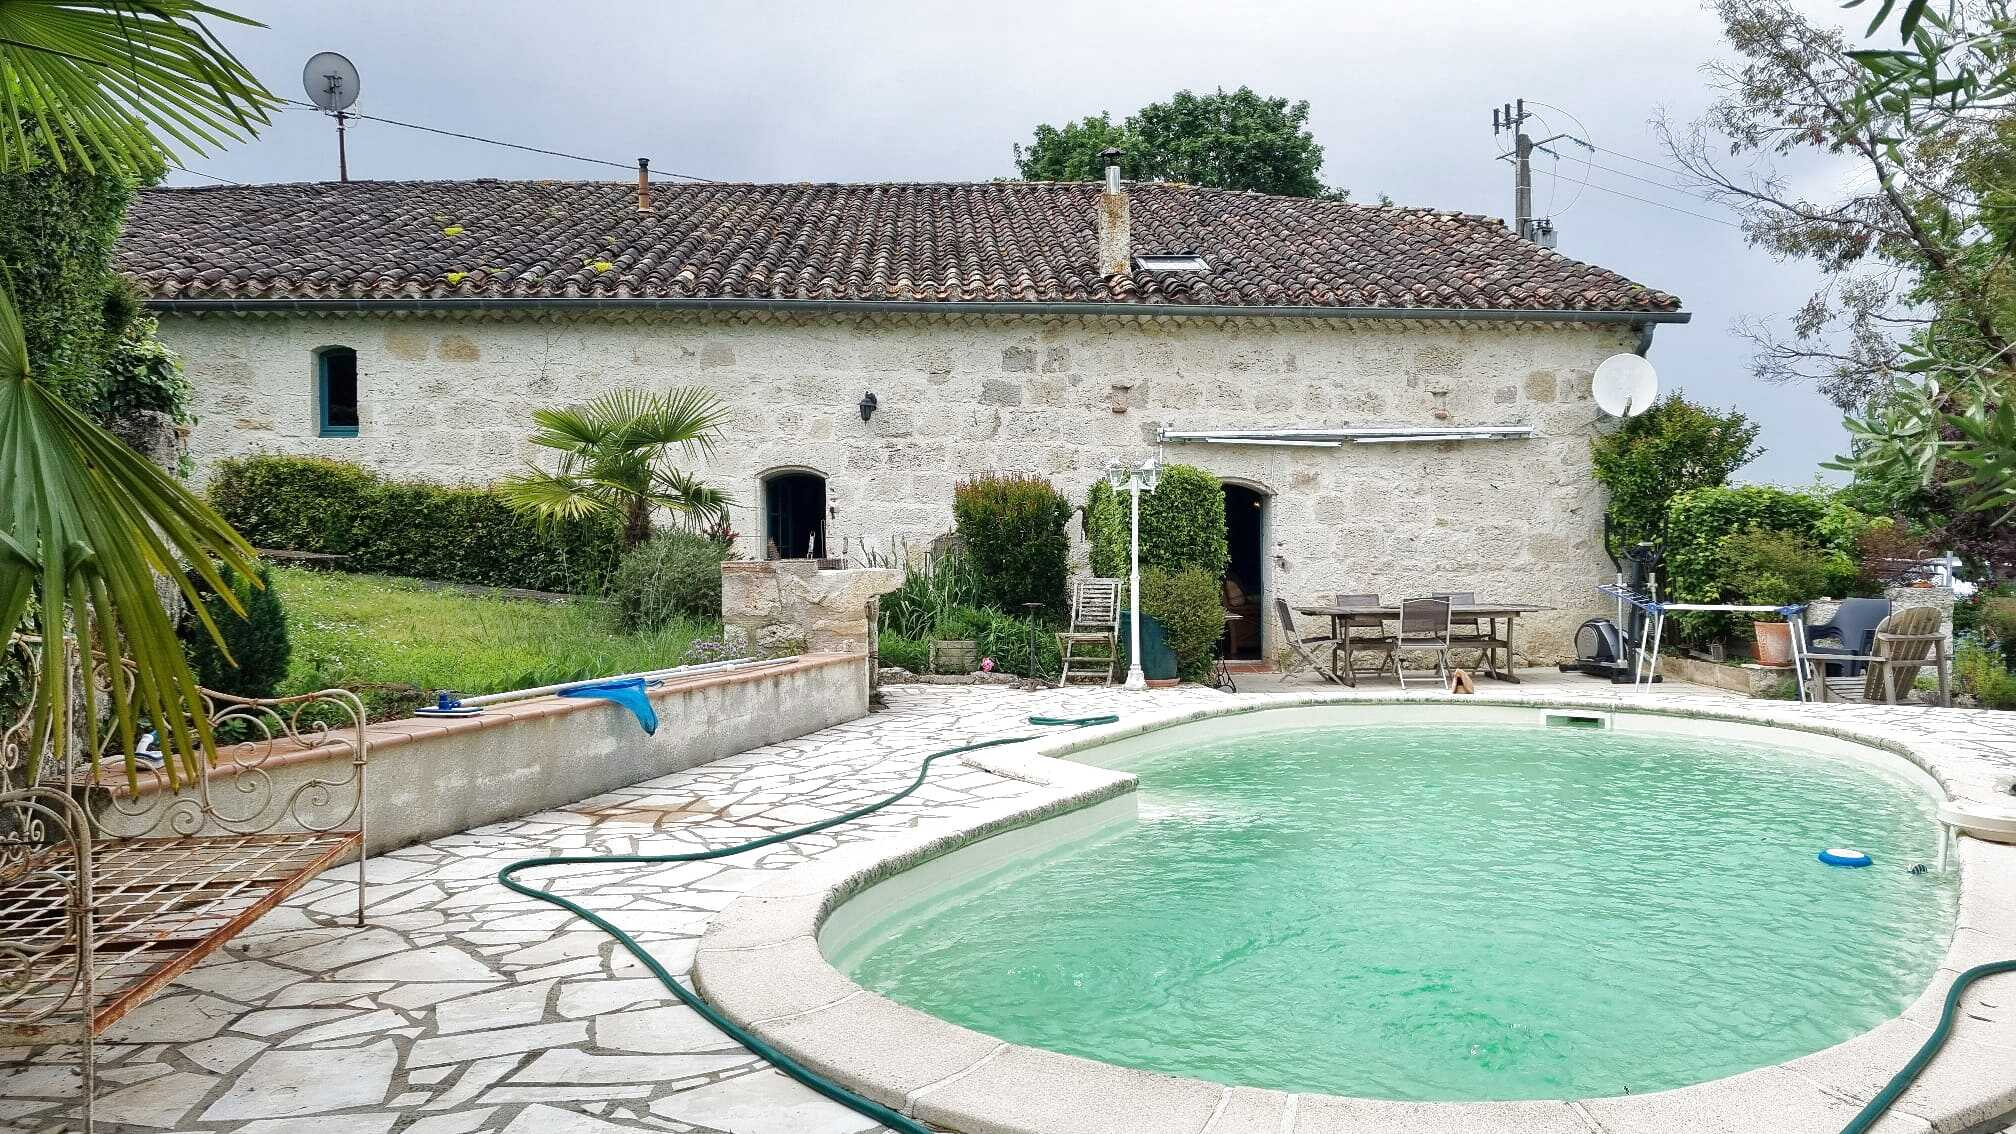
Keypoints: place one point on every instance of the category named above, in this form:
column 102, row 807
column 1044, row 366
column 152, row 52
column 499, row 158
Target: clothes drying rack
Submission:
column 1645, row 663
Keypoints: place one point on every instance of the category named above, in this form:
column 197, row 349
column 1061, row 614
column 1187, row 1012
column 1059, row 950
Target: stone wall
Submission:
column 450, row 399
column 818, row 606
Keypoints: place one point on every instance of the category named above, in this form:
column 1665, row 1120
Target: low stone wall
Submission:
column 430, row 777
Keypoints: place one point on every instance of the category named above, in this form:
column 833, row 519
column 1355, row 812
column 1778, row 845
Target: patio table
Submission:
column 1492, row 612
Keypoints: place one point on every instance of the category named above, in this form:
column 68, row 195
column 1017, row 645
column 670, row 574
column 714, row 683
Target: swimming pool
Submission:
column 1441, row 910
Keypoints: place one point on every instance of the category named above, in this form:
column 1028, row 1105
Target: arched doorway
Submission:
column 794, row 515
column 1245, row 526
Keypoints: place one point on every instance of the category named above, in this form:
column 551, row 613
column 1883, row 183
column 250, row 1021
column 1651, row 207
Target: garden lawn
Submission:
column 398, row 641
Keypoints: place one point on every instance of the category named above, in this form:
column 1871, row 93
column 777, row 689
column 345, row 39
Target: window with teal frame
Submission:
column 336, row 391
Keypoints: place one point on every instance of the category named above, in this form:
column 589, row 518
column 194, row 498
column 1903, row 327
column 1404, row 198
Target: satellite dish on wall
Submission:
column 331, row 81
column 1625, row 385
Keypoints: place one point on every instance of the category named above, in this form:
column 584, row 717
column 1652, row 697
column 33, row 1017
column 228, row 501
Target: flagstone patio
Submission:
column 464, row 1008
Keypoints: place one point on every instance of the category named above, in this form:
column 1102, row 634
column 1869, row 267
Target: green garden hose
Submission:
column 864, row 1106
column 1902, row 1081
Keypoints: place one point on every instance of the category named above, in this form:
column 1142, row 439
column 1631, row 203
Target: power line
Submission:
column 209, row 176
column 1654, row 204
column 630, row 165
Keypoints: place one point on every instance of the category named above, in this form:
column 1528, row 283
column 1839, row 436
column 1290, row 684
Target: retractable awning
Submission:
column 1332, row 436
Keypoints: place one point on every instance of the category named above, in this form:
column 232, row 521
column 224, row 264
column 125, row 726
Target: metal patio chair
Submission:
column 1906, row 642
column 1376, row 623
column 1090, row 647
column 1424, row 628
column 1301, row 647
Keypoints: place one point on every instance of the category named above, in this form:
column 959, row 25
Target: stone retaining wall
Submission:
column 435, row 776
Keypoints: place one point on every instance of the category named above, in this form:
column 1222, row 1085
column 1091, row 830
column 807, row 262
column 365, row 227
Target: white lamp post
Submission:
column 1134, row 478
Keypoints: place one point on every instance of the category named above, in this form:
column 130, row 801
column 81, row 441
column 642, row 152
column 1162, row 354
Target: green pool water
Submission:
column 1445, row 912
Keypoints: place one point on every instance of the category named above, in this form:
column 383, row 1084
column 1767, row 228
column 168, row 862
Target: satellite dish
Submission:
column 1625, row 385
column 331, row 82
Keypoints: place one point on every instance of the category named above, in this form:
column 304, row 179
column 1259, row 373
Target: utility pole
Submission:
column 1512, row 117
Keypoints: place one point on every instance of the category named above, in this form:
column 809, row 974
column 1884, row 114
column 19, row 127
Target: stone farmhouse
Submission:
column 878, row 342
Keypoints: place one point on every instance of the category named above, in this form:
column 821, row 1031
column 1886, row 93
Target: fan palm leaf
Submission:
column 89, row 526
column 119, row 85
column 612, row 452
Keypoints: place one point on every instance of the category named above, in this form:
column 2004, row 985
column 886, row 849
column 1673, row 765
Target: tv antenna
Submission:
column 1625, row 385
column 331, row 83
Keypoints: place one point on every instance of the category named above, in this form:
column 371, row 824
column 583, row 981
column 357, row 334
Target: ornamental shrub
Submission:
column 913, row 654
column 1698, row 520
column 672, row 575
column 1187, row 604
column 1985, row 676
column 446, row 533
column 1106, row 531
column 1013, row 530
column 1773, row 568
column 1670, row 448
column 1182, row 524
column 257, row 640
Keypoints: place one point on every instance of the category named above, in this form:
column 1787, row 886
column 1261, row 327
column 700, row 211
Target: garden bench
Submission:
column 109, row 889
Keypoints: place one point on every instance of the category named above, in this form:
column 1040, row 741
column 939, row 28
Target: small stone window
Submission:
column 336, row 391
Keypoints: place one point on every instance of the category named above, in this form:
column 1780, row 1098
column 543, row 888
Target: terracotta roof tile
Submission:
column 991, row 241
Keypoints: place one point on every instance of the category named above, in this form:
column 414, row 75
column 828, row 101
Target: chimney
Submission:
column 1115, row 231
column 644, row 185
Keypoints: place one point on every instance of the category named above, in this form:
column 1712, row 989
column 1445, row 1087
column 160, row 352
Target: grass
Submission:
column 397, row 641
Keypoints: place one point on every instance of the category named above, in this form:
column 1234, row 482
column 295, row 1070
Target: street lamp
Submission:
column 1134, row 478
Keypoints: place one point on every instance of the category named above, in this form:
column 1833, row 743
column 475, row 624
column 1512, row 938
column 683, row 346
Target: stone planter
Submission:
column 1774, row 642
column 955, row 655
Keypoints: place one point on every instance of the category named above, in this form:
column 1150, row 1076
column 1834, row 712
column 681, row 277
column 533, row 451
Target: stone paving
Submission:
column 463, row 1008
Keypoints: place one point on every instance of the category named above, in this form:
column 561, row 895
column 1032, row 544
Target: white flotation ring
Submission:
column 1845, row 856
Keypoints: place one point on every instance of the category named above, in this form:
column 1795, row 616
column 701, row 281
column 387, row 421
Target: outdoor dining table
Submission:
column 1492, row 612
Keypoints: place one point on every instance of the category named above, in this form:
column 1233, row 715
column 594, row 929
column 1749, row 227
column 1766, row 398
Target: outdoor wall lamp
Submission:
column 1134, row 479
column 868, row 404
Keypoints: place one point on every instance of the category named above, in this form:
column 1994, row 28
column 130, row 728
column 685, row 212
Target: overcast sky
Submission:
column 1401, row 95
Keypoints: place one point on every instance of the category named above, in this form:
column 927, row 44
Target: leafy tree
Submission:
column 1913, row 331
column 1670, row 448
column 86, row 525
column 613, row 460
column 1071, row 152
column 1240, row 140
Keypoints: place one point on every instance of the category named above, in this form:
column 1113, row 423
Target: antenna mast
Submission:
column 331, row 83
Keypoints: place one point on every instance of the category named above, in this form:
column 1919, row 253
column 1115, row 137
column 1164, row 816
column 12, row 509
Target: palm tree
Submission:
column 86, row 524
column 612, row 461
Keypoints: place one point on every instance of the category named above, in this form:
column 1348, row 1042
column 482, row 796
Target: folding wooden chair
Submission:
column 1090, row 647
column 1301, row 646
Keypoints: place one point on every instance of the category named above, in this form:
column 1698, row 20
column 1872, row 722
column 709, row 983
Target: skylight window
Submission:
column 1179, row 262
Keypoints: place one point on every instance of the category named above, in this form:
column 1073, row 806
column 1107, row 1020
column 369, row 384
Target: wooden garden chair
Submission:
column 1906, row 642
column 1090, row 647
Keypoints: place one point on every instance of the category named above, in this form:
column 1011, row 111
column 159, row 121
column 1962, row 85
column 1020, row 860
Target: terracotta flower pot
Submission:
column 1774, row 642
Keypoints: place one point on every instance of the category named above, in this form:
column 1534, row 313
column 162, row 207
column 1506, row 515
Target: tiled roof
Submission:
column 990, row 241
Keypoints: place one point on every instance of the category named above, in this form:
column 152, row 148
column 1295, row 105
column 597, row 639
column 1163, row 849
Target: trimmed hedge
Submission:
column 428, row 531
column 1182, row 524
column 1013, row 530
column 1699, row 519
